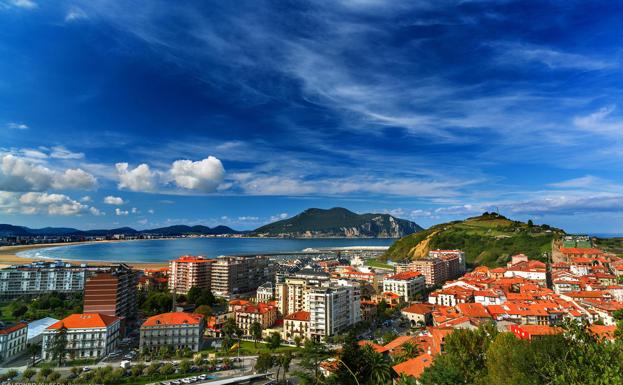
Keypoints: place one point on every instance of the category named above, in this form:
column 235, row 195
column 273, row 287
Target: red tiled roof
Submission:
column 405, row 275
column 194, row 259
column 398, row 342
column 473, row 310
column 298, row 316
column 377, row 348
column 13, row 328
column 579, row 250
column 84, row 321
column 419, row 308
column 415, row 366
column 175, row 318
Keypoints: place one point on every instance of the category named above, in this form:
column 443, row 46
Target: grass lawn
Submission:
column 248, row 349
column 376, row 263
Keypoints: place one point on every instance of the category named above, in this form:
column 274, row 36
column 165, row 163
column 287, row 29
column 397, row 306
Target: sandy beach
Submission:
column 8, row 255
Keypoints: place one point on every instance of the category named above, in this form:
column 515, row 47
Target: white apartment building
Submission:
column 265, row 292
column 291, row 295
column 407, row 284
column 332, row 309
column 89, row 335
column 12, row 341
column 189, row 271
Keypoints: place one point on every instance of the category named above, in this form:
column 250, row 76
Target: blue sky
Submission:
column 150, row 113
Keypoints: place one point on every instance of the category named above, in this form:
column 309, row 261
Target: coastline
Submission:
column 9, row 257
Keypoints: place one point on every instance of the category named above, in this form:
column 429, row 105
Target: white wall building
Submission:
column 333, row 309
column 89, row 335
column 12, row 341
column 407, row 284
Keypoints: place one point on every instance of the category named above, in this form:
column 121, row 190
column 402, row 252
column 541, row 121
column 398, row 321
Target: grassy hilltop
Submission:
column 489, row 239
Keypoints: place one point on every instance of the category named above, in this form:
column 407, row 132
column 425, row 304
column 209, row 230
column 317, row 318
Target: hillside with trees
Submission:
column 489, row 239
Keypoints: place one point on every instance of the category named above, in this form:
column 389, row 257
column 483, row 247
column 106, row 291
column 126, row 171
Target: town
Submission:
column 258, row 319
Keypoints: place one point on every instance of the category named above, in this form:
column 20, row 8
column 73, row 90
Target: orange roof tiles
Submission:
column 174, row 318
column 405, row 275
column 84, row 321
column 419, row 308
column 194, row 259
column 415, row 366
column 398, row 342
column 473, row 310
column 13, row 328
column 376, row 347
column 298, row 316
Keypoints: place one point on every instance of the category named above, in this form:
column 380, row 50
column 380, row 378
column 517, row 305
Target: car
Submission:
column 176, row 382
column 86, row 369
column 186, row 380
column 194, row 378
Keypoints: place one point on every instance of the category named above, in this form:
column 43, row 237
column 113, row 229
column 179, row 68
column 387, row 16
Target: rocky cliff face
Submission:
column 340, row 222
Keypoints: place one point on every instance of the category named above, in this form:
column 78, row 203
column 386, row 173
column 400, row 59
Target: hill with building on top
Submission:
column 489, row 239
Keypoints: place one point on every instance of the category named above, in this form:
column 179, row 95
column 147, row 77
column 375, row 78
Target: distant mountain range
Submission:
column 10, row 230
column 335, row 222
column 339, row 222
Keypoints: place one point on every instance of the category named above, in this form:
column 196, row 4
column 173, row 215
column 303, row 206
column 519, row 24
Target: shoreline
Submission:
column 9, row 257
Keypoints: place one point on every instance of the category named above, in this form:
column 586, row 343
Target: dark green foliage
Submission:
column 56, row 305
column 199, row 296
column 484, row 357
column 155, row 301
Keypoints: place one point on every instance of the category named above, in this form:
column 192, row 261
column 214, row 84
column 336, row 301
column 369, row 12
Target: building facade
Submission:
column 89, row 335
column 291, row 295
column 112, row 293
column 188, row 271
column 265, row 292
column 296, row 325
column 434, row 270
column 264, row 314
column 232, row 276
column 36, row 278
column 13, row 341
column 332, row 309
column 176, row 330
column 407, row 285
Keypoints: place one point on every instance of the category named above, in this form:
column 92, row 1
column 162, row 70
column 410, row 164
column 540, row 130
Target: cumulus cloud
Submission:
column 17, row 126
column 203, row 176
column 112, row 200
column 140, row 178
column 44, row 203
column 120, row 212
column 19, row 174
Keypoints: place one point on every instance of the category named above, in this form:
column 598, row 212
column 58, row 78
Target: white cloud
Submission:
column 19, row 174
column 17, row 126
column 27, row 4
column 60, row 152
column 85, row 199
column 203, row 176
column 112, row 200
column 140, row 178
column 151, row 211
column 600, row 122
column 135, row 210
column 142, row 221
column 278, row 217
column 248, row 218
column 120, row 212
column 51, row 204
column 75, row 14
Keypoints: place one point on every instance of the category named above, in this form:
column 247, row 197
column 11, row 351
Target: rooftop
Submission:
column 84, row 321
column 174, row 318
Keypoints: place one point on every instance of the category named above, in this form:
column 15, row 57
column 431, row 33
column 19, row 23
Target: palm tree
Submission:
column 379, row 368
column 409, row 351
column 406, row 380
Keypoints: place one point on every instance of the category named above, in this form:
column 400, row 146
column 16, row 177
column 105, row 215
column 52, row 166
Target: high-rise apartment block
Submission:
column 238, row 275
column 112, row 293
column 332, row 309
column 189, row 271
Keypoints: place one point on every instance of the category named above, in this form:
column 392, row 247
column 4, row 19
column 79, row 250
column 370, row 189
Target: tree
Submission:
column 530, row 223
column 167, row 369
column 509, row 363
column 274, row 341
column 204, row 310
column 137, row 370
column 53, row 377
column 256, row 332
column 297, row 341
column 312, row 354
column 59, row 345
column 20, row 311
column 185, row 366
column 29, row 373
column 286, row 359
column 152, row 369
column 409, row 351
column 264, row 362
column 33, row 350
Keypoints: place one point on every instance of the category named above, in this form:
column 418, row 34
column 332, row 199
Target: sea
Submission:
column 161, row 250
